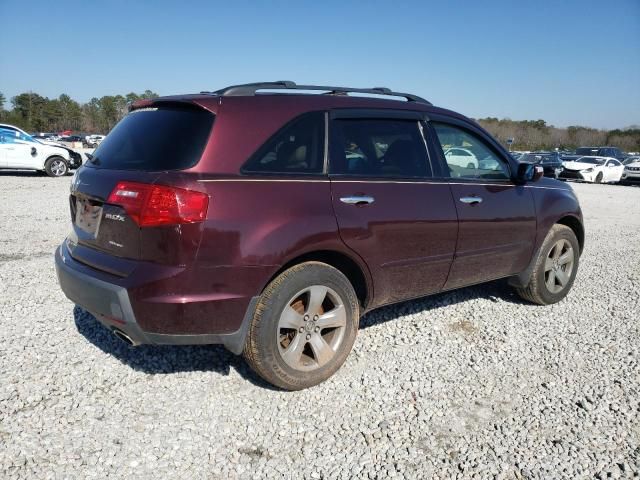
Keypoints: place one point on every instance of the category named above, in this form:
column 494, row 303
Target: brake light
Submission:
column 154, row 205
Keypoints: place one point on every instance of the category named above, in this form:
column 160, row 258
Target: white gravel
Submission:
column 469, row 384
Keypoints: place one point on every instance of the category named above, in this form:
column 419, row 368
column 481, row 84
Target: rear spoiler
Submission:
column 183, row 101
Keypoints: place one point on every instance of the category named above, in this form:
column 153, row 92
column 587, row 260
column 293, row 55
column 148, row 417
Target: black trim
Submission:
column 377, row 114
column 234, row 341
column 429, row 135
column 250, row 89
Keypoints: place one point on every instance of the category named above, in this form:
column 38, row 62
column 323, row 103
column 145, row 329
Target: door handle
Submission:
column 471, row 200
column 357, row 200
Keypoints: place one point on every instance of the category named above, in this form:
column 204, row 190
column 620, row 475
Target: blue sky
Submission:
column 567, row 62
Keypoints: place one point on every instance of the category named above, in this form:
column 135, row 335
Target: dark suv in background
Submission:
column 549, row 161
column 271, row 222
column 611, row 152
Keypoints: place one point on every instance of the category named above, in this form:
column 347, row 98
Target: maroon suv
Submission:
column 268, row 218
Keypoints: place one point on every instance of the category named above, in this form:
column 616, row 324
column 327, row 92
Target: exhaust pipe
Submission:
column 123, row 336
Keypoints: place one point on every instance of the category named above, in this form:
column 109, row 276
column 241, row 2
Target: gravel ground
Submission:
column 468, row 384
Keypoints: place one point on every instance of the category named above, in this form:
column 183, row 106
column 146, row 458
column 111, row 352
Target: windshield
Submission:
column 593, row 160
column 155, row 139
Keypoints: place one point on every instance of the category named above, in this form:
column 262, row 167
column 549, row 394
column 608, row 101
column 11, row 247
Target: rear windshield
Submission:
column 150, row 139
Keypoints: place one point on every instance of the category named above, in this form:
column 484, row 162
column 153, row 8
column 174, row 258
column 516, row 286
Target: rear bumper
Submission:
column 110, row 303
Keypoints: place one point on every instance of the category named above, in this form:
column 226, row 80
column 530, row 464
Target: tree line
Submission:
column 537, row 135
column 35, row 113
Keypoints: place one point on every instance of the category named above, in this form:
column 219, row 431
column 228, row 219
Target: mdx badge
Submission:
column 114, row 216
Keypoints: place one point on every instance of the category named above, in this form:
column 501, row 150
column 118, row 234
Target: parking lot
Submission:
column 471, row 382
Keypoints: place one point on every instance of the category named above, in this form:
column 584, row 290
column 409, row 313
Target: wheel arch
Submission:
column 55, row 155
column 522, row 279
column 576, row 225
column 355, row 272
column 51, row 158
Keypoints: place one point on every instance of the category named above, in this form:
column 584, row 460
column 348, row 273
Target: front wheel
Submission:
column 555, row 268
column 56, row 167
column 304, row 326
column 599, row 178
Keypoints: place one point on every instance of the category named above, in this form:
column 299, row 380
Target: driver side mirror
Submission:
column 529, row 172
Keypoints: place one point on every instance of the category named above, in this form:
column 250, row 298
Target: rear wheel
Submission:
column 56, row 167
column 304, row 326
column 555, row 269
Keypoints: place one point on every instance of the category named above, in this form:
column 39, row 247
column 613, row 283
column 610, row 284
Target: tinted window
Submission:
column 297, row 148
column 533, row 158
column 166, row 138
column 9, row 135
column 378, row 148
column 585, row 151
column 482, row 162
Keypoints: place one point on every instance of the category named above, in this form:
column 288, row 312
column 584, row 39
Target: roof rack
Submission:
column 250, row 89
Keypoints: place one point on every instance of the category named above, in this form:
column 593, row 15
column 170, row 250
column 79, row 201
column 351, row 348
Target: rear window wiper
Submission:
column 92, row 159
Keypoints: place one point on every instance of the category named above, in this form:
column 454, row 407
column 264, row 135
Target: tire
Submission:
column 599, row 178
column 552, row 279
column 56, row 167
column 292, row 352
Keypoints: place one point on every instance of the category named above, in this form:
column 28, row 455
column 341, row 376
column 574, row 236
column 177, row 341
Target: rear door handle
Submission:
column 357, row 200
column 471, row 200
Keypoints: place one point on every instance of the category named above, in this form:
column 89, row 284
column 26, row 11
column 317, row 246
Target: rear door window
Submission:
column 156, row 139
column 378, row 148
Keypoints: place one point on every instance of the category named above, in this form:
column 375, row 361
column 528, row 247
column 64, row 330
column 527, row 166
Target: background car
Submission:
column 72, row 138
column 631, row 171
column 93, row 140
column 461, row 157
column 593, row 169
column 550, row 162
column 20, row 150
column 610, row 152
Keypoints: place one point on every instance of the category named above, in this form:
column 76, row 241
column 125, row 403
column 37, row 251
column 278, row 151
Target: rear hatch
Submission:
column 131, row 200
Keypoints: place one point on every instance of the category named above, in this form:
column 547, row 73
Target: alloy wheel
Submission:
column 558, row 266
column 311, row 328
column 58, row 168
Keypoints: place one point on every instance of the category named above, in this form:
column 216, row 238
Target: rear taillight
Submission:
column 153, row 205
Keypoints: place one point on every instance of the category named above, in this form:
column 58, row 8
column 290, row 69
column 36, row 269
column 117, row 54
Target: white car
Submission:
column 20, row 150
column 461, row 157
column 593, row 169
column 94, row 140
column 631, row 171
